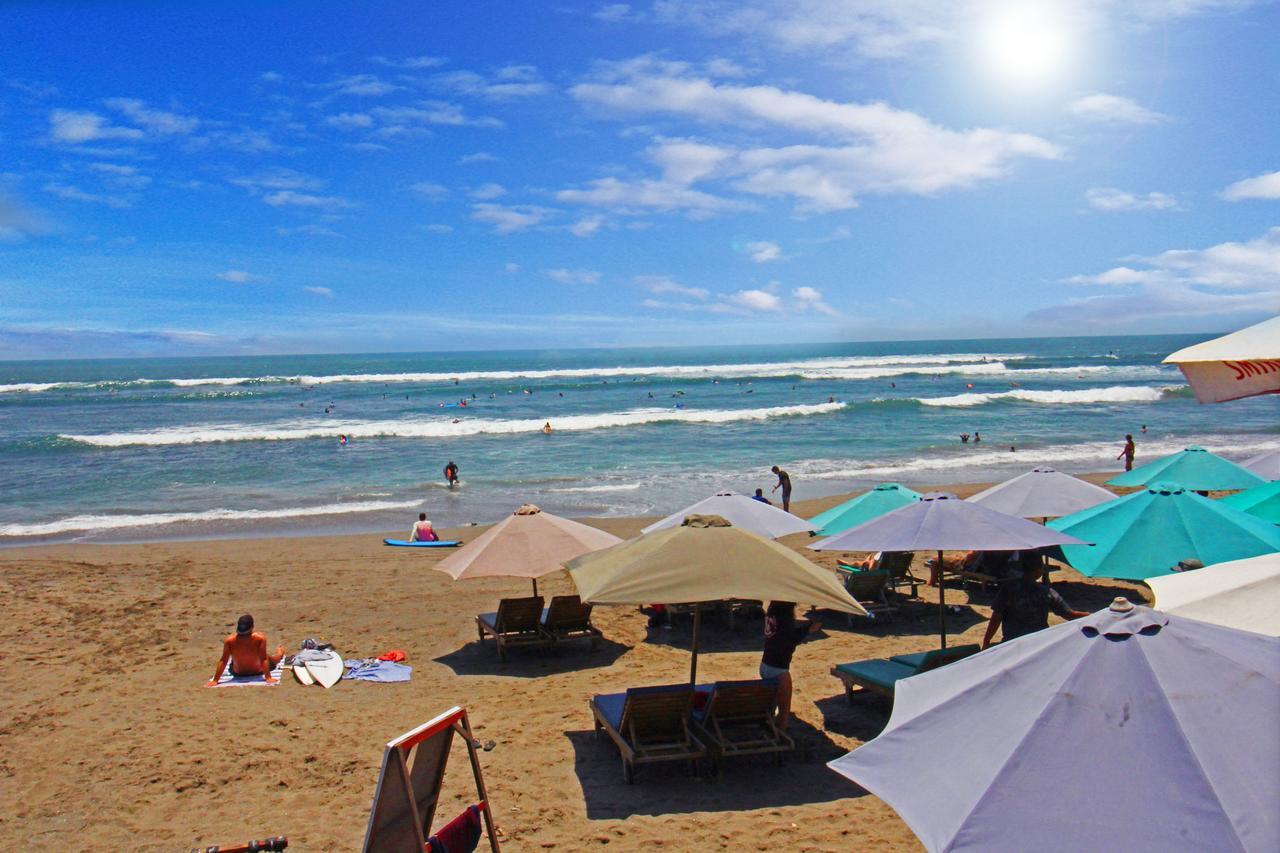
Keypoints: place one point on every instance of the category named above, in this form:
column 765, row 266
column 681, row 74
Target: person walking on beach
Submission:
column 784, row 482
column 246, row 652
column 782, row 633
column 1022, row 605
column 451, row 474
column 1128, row 453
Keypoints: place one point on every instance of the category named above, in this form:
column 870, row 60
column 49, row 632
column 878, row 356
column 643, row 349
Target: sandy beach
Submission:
column 110, row 740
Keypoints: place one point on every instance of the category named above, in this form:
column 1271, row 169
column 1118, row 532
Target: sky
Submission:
column 220, row 178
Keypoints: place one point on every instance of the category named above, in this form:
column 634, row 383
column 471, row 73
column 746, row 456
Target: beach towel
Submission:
column 460, row 835
column 229, row 680
column 381, row 671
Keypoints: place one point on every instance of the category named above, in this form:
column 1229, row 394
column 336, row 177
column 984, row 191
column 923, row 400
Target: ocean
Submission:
column 148, row 449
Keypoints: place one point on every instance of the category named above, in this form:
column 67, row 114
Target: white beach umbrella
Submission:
column 1042, row 493
column 1265, row 465
column 741, row 511
column 1242, row 364
column 1242, row 594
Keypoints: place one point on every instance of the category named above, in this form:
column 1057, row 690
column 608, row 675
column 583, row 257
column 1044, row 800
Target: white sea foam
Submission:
column 619, row 487
column 1112, row 394
column 32, row 387
column 92, row 523
column 438, row 427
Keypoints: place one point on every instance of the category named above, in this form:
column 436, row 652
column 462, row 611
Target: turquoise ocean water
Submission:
column 141, row 449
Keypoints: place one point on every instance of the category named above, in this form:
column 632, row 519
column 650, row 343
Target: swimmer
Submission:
column 342, row 440
column 246, row 652
column 546, row 428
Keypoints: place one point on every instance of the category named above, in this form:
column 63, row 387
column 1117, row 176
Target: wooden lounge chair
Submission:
column 881, row 676
column 867, row 586
column 569, row 619
column 517, row 623
column 649, row 724
column 738, row 719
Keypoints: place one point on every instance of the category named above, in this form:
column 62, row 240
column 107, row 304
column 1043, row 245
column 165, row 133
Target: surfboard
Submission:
column 326, row 672
column 404, row 543
column 300, row 673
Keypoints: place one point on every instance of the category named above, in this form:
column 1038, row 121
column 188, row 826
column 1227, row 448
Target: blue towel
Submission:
column 381, row 671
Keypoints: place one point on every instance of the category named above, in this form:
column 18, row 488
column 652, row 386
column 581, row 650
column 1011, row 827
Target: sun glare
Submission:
column 1025, row 44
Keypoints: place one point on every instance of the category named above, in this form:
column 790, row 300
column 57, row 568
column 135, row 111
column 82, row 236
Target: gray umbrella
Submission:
column 942, row 522
column 1042, row 493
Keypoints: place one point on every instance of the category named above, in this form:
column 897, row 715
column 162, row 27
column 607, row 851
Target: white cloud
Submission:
column 662, row 284
column 438, row 228
column 810, row 299
column 410, row 63
column 277, row 179
column 271, row 77
column 1113, row 200
column 430, row 113
column 762, row 251
column 488, row 192
column 568, row 276
column 512, row 81
column 74, row 193
column 586, row 226
column 349, row 121
column 649, row 195
column 308, row 230
column 19, row 222
column 756, row 300
column 615, row 13
column 238, row 276
column 510, row 268
column 293, row 198
column 118, row 175
column 476, row 157
column 363, row 85
column 157, row 121
column 1114, row 109
column 429, row 190
column 319, row 291
column 509, row 220
column 1265, row 187
column 76, row 126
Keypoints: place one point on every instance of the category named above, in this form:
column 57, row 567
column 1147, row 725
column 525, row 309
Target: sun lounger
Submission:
column 569, row 619
column 648, row 724
column 881, row 676
column 867, row 586
column 517, row 623
column 738, row 719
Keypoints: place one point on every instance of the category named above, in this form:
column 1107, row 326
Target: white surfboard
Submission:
column 326, row 672
column 300, row 673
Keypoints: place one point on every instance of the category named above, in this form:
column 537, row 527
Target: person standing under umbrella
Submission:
column 1022, row 605
column 782, row 633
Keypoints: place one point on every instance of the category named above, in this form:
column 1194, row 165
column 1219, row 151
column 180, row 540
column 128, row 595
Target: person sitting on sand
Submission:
column 246, row 652
column 423, row 531
column 1022, row 605
column 782, row 633
column 759, row 496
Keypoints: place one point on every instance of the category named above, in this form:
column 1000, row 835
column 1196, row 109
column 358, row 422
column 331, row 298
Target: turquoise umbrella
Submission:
column 1261, row 502
column 1194, row 468
column 885, row 497
column 1147, row 533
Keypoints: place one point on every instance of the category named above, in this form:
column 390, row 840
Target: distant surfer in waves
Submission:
column 246, row 652
column 423, row 531
column 451, row 474
column 546, row 428
column 342, row 440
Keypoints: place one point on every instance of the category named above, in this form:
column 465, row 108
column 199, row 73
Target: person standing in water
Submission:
column 784, row 482
column 1129, row 451
column 451, row 474
column 546, row 428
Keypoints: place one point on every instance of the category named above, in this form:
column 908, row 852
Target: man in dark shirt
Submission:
column 784, row 482
column 782, row 633
column 1022, row 606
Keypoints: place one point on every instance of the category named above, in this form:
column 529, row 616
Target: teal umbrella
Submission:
column 1261, row 502
column 1194, row 468
column 885, row 497
column 1147, row 533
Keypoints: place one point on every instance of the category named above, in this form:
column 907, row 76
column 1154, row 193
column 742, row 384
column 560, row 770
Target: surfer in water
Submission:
column 423, row 531
column 546, row 428
column 451, row 474
column 246, row 652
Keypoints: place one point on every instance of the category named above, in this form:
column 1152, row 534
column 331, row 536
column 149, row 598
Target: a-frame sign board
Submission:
column 413, row 766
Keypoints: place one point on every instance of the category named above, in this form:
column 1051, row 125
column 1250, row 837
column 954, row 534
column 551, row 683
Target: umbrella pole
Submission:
column 693, row 664
column 535, row 587
column 942, row 604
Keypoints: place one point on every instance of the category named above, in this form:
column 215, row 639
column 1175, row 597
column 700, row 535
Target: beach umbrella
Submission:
column 1265, row 465
column 1194, row 468
column 529, row 543
column 1242, row 364
column 1241, row 594
column 885, row 497
column 942, row 522
column 1261, row 501
column 1128, row 729
column 741, row 511
column 705, row 559
column 1147, row 533
column 1042, row 493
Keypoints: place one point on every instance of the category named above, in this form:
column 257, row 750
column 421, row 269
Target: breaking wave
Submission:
column 1113, row 394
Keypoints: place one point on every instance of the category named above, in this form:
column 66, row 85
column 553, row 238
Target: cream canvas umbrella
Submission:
column 705, row 559
column 1242, row 594
column 529, row 543
column 1242, row 364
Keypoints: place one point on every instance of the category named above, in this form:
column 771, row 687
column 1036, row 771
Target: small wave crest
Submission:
column 1112, row 394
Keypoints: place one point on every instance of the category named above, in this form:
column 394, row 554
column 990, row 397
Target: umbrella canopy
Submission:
column 1147, row 533
column 1194, row 468
column 1241, row 594
column 1261, row 501
column 529, row 543
column 1265, row 465
column 1119, row 731
column 741, row 511
column 942, row 522
column 1242, row 364
column 885, row 497
column 1042, row 493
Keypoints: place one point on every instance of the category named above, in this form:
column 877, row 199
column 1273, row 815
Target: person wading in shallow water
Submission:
column 1130, row 450
column 784, row 482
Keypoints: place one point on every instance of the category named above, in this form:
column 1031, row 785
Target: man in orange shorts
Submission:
column 246, row 651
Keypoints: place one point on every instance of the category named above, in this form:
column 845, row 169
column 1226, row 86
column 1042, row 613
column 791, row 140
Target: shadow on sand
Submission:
column 476, row 658
column 748, row 782
column 862, row 719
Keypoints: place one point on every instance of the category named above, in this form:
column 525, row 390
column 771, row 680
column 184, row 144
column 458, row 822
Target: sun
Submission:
column 1025, row 43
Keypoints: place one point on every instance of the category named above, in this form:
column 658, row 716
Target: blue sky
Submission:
column 203, row 178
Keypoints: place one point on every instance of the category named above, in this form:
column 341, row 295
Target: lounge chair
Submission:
column 881, row 676
column 569, row 619
column 649, row 724
column 738, row 719
column 897, row 564
column 867, row 586
column 517, row 623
